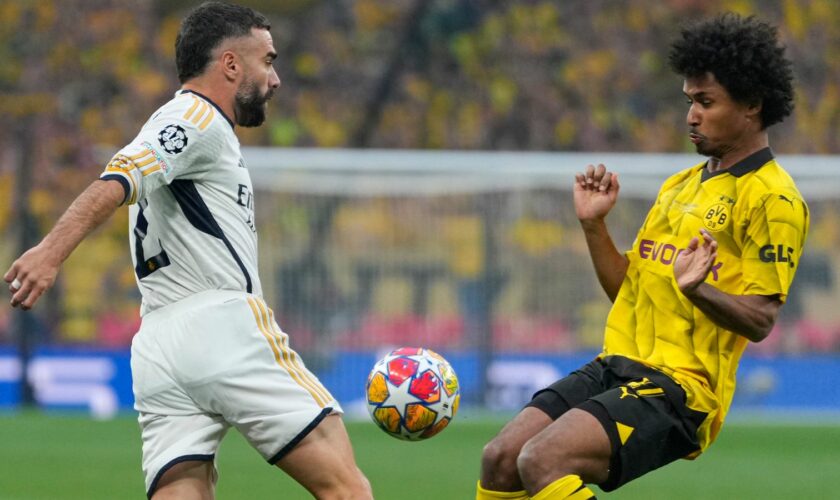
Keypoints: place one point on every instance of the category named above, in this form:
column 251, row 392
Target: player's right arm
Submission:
column 36, row 269
column 595, row 193
column 165, row 149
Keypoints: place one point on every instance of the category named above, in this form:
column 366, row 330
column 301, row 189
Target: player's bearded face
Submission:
column 250, row 104
column 717, row 123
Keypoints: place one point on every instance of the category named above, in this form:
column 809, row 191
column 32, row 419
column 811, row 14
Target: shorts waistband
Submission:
column 200, row 299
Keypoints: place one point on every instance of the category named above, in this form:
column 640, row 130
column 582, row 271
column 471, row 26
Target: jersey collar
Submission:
column 199, row 94
column 745, row 166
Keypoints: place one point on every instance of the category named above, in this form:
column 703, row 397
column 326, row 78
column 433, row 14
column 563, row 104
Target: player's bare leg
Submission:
column 323, row 463
column 192, row 480
column 575, row 444
column 499, row 458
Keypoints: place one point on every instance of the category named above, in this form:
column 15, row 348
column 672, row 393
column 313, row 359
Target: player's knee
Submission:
column 538, row 468
column 530, row 465
column 365, row 490
column 540, row 463
column 359, row 490
column 352, row 486
column 498, row 460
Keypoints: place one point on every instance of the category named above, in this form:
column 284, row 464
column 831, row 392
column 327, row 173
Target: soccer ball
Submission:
column 412, row 393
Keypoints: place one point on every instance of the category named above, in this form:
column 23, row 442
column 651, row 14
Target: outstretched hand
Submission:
column 30, row 276
column 693, row 264
column 595, row 193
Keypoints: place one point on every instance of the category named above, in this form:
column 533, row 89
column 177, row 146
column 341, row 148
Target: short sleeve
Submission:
column 177, row 142
column 774, row 242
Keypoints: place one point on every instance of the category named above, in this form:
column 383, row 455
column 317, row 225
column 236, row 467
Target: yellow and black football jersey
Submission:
column 760, row 222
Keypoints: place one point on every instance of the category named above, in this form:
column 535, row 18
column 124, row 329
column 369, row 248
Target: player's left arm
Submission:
column 751, row 316
column 771, row 250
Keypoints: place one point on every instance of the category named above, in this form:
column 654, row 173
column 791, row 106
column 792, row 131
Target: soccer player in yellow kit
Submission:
column 708, row 272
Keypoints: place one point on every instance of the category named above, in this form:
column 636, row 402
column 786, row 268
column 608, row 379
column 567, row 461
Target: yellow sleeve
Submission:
column 774, row 242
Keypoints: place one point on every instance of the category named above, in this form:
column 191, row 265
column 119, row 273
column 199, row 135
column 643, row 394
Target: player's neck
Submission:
column 740, row 151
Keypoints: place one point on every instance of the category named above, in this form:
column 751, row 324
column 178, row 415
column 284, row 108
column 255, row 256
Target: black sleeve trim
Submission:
column 122, row 180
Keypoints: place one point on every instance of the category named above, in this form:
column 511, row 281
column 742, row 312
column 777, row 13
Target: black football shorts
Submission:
column 642, row 409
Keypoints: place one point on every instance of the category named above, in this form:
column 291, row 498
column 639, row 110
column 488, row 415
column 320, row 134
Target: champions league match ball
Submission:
column 412, row 393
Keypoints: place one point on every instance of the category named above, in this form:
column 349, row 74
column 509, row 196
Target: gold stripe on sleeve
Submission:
column 133, row 197
column 150, row 170
column 141, row 154
column 141, row 164
column 122, row 165
column 134, row 188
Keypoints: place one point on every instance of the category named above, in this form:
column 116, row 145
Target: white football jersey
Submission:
column 191, row 215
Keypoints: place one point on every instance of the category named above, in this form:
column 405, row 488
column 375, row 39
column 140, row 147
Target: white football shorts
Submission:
column 212, row 361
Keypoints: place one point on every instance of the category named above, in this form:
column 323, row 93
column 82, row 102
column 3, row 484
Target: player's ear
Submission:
column 231, row 66
column 754, row 111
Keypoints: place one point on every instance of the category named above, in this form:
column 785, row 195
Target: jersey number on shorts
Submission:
column 146, row 266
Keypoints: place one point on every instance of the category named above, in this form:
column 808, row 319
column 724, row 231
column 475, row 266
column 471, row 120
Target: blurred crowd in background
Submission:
column 79, row 77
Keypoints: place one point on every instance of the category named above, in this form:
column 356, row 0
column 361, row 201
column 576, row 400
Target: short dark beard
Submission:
column 249, row 105
column 712, row 152
column 705, row 151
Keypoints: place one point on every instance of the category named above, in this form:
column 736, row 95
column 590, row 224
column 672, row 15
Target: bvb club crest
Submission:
column 716, row 217
column 173, row 138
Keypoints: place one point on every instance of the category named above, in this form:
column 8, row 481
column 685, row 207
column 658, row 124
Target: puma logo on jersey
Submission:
column 785, row 198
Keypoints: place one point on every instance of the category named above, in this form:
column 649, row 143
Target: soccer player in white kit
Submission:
column 209, row 354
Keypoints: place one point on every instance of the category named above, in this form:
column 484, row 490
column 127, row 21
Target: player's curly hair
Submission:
column 745, row 57
column 205, row 27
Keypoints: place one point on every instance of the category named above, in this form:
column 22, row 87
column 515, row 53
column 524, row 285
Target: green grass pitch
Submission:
column 71, row 457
